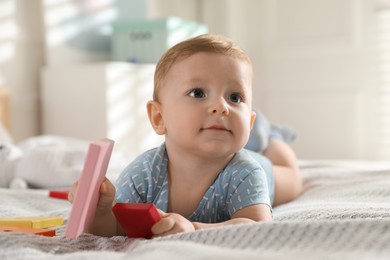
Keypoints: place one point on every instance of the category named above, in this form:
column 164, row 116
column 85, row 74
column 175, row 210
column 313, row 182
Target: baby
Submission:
column 201, row 176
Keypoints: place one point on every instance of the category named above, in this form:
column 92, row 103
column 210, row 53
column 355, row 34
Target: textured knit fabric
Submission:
column 343, row 213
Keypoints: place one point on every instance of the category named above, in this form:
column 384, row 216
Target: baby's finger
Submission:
column 163, row 226
column 107, row 193
column 161, row 213
column 72, row 191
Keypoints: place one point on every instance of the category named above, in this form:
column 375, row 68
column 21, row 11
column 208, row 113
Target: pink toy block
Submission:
column 87, row 194
column 136, row 219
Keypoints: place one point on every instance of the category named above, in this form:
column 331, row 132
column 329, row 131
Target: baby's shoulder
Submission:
column 155, row 155
column 151, row 161
column 245, row 159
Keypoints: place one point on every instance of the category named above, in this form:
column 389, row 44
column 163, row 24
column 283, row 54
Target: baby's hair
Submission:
column 204, row 43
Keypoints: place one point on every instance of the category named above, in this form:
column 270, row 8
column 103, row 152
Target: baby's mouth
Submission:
column 216, row 128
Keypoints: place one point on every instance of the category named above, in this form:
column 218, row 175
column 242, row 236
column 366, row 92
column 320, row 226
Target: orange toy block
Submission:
column 36, row 231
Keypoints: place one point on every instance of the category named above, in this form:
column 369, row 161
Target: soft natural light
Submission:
column 54, row 2
column 7, row 8
column 8, row 29
column 60, row 14
column 7, row 51
column 65, row 20
column 129, row 87
column 9, row 32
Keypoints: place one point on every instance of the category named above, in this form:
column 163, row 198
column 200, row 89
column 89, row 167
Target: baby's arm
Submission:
column 172, row 223
column 104, row 223
column 250, row 214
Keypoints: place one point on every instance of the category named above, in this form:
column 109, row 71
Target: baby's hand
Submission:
column 171, row 223
column 106, row 196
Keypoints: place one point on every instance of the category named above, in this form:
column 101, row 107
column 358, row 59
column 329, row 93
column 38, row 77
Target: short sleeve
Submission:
column 144, row 180
column 250, row 189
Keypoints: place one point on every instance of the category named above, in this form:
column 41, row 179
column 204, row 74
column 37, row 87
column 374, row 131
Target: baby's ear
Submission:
column 155, row 117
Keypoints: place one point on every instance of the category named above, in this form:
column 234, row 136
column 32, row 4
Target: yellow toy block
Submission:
column 32, row 222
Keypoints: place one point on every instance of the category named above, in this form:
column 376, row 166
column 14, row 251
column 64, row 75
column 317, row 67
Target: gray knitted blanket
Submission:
column 343, row 213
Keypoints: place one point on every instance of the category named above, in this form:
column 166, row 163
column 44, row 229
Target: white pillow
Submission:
column 5, row 137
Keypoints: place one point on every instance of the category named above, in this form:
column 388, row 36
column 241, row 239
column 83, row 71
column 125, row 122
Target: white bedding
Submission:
column 343, row 213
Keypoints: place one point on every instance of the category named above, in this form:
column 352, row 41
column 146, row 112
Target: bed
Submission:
column 343, row 213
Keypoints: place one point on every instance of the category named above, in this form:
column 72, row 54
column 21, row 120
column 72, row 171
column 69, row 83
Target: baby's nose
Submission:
column 219, row 107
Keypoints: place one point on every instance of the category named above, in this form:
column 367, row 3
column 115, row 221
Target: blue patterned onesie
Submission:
column 245, row 181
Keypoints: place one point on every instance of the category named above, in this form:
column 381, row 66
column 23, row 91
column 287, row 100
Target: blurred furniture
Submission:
column 98, row 100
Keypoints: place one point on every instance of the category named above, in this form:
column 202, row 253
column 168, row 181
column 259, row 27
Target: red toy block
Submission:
column 59, row 194
column 136, row 219
column 36, row 231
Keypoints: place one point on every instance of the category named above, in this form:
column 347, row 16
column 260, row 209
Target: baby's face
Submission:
column 206, row 102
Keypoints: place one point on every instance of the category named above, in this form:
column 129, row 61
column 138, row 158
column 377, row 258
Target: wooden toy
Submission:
column 87, row 194
column 59, row 194
column 32, row 222
column 36, row 231
column 136, row 219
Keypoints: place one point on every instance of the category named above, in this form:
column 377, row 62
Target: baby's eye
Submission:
column 197, row 93
column 235, row 98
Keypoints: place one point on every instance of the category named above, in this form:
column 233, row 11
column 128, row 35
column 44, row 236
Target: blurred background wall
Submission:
column 320, row 65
